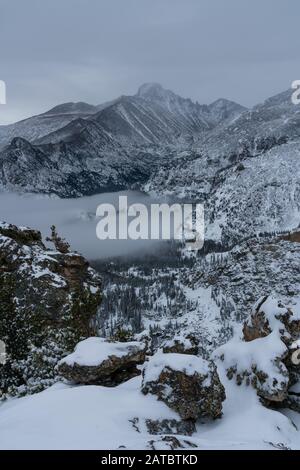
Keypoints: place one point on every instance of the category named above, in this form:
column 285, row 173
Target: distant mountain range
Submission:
column 243, row 163
column 149, row 116
column 77, row 149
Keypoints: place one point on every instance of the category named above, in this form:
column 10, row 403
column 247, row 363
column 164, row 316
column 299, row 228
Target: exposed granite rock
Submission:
column 187, row 384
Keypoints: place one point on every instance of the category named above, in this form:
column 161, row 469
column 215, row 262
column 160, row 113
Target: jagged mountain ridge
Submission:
column 114, row 148
column 154, row 116
column 246, row 172
column 242, row 164
column 163, row 106
column 43, row 124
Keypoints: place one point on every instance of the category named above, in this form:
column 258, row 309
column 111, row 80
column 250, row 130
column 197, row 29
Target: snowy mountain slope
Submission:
column 90, row 164
column 36, row 127
column 251, row 133
column 149, row 116
column 242, row 164
column 246, row 172
column 262, row 195
column 271, row 123
column 158, row 116
column 255, row 194
column 104, row 150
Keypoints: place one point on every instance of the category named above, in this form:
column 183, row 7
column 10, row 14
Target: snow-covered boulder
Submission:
column 100, row 362
column 259, row 363
column 267, row 357
column 268, row 315
column 188, row 384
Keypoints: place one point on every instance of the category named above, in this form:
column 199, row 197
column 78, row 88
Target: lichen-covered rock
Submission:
column 48, row 300
column 188, row 384
column 101, row 362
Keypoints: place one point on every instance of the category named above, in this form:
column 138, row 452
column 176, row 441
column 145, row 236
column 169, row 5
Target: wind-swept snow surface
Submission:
column 94, row 417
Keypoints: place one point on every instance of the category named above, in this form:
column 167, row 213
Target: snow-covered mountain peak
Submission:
column 20, row 143
column 222, row 109
column 281, row 100
column 73, row 108
column 155, row 93
column 152, row 91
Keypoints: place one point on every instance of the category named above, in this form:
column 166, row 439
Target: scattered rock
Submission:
column 165, row 426
column 170, row 443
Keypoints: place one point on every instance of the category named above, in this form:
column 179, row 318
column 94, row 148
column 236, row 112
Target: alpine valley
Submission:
column 158, row 348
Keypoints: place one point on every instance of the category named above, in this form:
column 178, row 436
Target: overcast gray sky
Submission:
column 53, row 51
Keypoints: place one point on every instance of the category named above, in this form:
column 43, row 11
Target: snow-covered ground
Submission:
column 94, row 417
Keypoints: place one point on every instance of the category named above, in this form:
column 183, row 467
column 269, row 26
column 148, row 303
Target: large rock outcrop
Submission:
column 48, row 300
column 267, row 357
column 270, row 315
column 188, row 384
column 100, row 362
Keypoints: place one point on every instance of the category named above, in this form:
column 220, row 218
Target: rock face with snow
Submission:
column 268, row 356
column 269, row 315
column 47, row 301
column 97, row 361
column 187, row 384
